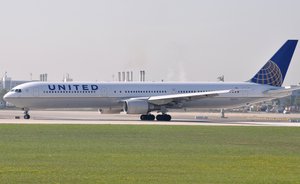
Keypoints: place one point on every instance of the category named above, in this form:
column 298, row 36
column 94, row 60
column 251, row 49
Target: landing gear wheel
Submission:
column 148, row 117
column 163, row 117
column 168, row 117
column 151, row 117
column 26, row 116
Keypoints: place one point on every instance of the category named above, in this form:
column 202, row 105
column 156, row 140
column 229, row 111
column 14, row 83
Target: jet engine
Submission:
column 136, row 106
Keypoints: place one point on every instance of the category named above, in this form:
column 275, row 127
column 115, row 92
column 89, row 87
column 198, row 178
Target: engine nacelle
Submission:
column 136, row 107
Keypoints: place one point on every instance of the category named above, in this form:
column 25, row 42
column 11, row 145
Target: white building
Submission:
column 7, row 83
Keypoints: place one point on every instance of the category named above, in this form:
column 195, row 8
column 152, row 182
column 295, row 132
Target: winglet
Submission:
column 274, row 71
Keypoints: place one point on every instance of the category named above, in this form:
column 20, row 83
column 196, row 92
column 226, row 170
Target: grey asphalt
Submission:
column 179, row 118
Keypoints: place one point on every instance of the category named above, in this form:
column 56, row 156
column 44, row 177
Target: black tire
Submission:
column 168, row 117
column 151, row 117
column 159, row 118
column 148, row 117
column 26, row 116
column 164, row 117
column 142, row 117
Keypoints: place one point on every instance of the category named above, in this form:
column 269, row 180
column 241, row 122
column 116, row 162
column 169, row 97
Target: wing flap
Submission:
column 165, row 99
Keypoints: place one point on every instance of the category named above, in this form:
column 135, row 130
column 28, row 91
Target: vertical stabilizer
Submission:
column 274, row 71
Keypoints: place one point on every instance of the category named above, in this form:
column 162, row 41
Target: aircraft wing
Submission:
column 165, row 99
column 286, row 91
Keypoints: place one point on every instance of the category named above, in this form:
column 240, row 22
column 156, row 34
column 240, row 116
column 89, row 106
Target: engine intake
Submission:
column 136, row 107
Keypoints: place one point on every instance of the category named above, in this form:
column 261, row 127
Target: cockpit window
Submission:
column 16, row 90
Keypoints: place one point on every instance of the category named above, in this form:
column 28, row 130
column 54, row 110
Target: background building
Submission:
column 7, row 84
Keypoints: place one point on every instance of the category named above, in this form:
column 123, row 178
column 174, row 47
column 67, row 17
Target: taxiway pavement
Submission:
column 179, row 118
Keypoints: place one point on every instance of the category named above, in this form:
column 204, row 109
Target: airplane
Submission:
column 146, row 97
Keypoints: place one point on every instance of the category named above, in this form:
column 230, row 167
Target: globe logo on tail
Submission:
column 269, row 74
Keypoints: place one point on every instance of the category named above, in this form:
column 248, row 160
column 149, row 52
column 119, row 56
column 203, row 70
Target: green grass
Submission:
column 148, row 154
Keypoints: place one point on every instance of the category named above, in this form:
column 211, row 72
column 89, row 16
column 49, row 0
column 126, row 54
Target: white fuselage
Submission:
column 111, row 95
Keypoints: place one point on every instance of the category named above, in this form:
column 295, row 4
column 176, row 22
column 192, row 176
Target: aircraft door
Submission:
column 243, row 92
column 247, row 92
column 174, row 91
column 36, row 92
column 103, row 92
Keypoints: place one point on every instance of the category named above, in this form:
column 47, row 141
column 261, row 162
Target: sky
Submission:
column 172, row 40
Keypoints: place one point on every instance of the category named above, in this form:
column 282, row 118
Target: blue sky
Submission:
column 173, row 40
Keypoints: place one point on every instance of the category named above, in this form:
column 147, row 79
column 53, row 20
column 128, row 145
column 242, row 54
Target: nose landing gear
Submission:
column 26, row 113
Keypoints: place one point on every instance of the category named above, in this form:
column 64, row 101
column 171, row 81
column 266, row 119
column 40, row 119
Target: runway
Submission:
column 182, row 119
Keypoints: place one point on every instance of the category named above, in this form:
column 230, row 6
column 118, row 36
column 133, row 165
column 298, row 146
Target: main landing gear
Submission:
column 26, row 114
column 163, row 117
column 160, row 117
column 148, row 117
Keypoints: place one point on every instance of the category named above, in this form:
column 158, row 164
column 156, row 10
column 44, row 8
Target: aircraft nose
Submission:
column 6, row 96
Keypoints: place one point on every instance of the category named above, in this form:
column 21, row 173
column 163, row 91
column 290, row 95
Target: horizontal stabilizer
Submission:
column 283, row 92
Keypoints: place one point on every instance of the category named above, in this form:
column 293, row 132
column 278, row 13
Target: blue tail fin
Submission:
column 274, row 71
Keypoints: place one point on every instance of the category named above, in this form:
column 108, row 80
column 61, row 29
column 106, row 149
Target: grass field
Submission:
column 148, row 154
